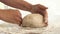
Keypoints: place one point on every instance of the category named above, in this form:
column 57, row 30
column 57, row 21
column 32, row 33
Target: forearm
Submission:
column 20, row 4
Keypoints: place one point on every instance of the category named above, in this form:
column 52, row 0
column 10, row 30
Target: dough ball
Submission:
column 33, row 20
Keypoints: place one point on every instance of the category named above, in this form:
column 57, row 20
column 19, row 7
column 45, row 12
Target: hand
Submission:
column 41, row 10
column 12, row 16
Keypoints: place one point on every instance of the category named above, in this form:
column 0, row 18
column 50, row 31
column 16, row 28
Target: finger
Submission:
column 41, row 6
column 18, row 19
